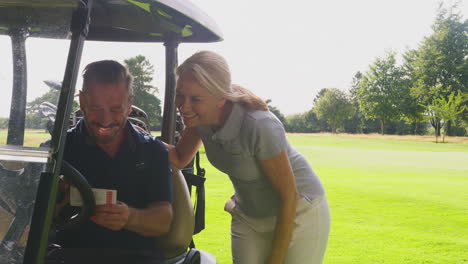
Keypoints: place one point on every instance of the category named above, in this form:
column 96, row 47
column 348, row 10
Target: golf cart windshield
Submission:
column 29, row 166
column 22, row 156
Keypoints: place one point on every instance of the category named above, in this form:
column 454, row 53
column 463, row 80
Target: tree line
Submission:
column 145, row 96
column 429, row 88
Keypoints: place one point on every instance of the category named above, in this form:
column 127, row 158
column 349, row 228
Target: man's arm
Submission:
column 155, row 220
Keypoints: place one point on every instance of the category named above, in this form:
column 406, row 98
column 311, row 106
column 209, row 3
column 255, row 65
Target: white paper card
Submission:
column 102, row 196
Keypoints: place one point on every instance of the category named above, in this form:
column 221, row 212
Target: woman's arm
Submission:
column 188, row 145
column 280, row 174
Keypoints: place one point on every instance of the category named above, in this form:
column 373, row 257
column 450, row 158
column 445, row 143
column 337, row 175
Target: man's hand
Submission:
column 111, row 216
column 152, row 221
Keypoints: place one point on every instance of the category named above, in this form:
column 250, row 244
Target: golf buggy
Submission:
column 29, row 175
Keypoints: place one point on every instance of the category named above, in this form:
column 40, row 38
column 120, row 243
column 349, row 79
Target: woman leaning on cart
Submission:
column 279, row 209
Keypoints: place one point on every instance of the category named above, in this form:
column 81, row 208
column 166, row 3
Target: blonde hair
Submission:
column 212, row 72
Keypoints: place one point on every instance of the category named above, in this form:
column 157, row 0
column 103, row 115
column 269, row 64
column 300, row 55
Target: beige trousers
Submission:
column 251, row 238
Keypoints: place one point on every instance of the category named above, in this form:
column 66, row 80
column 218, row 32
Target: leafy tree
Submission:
column 319, row 94
column 275, row 111
column 306, row 123
column 402, row 127
column 315, row 125
column 357, row 122
column 334, row 107
column 3, row 122
column 439, row 66
column 145, row 98
column 412, row 111
column 34, row 119
column 51, row 96
column 296, row 123
column 446, row 109
column 312, row 123
column 380, row 91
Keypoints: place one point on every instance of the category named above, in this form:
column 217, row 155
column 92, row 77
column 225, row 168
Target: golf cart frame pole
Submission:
column 17, row 120
column 169, row 114
column 47, row 190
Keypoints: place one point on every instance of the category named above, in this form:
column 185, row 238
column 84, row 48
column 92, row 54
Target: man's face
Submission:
column 105, row 108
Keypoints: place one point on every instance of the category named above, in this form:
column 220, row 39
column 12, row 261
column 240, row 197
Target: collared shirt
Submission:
column 139, row 172
column 246, row 137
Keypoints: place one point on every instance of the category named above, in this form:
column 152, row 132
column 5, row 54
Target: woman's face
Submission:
column 196, row 105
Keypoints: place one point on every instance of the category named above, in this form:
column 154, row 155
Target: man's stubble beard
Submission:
column 104, row 140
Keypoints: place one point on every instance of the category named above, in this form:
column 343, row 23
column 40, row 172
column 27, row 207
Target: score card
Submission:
column 102, row 196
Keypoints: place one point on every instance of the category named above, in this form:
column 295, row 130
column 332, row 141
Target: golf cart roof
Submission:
column 112, row 20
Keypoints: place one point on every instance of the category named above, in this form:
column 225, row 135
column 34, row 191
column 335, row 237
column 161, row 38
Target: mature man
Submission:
column 112, row 154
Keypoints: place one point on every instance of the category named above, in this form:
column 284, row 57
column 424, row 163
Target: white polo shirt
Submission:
column 246, row 137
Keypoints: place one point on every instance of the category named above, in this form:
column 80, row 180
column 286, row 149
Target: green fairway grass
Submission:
column 392, row 201
column 32, row 137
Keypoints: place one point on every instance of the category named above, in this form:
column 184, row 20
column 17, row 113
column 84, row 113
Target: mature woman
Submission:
column 279, row 209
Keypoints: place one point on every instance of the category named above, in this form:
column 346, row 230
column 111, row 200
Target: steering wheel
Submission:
column 70, row 217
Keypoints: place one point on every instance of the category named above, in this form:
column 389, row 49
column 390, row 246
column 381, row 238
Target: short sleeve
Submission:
column 269, row 138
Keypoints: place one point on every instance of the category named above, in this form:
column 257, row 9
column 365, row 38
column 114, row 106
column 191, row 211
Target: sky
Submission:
column 285, row 51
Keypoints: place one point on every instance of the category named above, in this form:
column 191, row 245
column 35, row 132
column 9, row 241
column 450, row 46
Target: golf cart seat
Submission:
column 179, row 237
column 176, row 244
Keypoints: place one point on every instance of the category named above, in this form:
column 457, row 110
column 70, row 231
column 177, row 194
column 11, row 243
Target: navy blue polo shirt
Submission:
column 139, row 172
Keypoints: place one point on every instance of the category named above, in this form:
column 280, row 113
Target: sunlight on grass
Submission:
column 32, row 137
column 392, row 200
